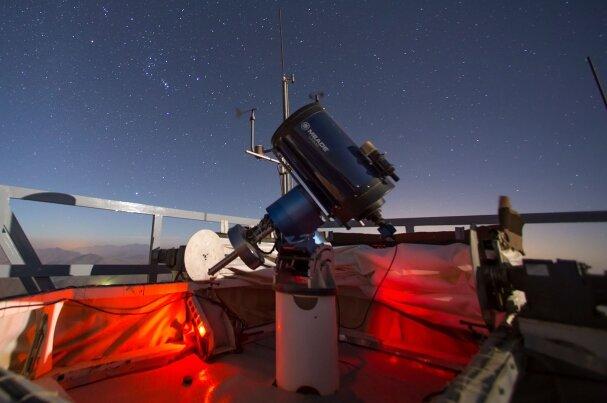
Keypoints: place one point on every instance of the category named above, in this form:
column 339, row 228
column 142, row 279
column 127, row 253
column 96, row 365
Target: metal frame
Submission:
column 567, row 217
column 25, row 263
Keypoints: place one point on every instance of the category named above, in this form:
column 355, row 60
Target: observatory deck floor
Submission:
column 366, row 375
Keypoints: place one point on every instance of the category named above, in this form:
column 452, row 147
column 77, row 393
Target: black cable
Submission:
column 372, row 298
column 120, row 313
column 104, row 310
column 42, row 304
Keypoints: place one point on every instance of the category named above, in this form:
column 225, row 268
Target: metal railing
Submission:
column 567, row 217
column 36, row 277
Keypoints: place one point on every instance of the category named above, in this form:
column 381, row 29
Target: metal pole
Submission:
column 285, row 78
column 286, row 182
column 223, row 263
column 252, row 121
column 285, row 97
column 597, row 81
column 234, row 254
column 284, row 179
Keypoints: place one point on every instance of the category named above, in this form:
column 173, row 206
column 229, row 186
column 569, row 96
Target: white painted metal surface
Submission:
column 203, row 250
column 306, row 343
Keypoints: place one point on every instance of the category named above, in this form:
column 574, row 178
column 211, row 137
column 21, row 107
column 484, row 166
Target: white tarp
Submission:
column 435, row 283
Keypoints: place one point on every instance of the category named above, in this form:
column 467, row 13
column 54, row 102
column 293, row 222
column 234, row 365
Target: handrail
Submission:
column 21, row 193
column 25, row 264
column 565, row 217
column 35, row 276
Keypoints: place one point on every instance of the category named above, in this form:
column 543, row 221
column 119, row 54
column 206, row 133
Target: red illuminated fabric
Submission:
column 427, row 298
column 87, row 334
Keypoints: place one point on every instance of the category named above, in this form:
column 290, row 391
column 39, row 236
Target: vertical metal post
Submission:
column 18, row 249
column 474, row 252
column 6, row 243
column 286, row 182
column 286, row 80
column 156, row 231
column 224, row 226
column 252, row 125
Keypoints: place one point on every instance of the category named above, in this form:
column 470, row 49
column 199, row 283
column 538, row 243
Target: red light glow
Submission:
column 201, row 329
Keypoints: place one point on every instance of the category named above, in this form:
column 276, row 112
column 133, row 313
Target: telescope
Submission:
column 336, row 180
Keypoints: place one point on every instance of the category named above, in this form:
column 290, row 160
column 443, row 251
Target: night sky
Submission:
column 135, row 100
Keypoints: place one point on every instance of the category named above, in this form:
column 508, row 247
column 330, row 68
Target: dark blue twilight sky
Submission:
column 134, row 100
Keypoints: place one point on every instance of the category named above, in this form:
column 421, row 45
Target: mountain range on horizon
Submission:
column 93, row 254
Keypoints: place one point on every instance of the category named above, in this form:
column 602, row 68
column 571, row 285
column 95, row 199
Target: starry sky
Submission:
column 135, row 100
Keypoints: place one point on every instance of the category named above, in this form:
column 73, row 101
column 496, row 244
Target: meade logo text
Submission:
column 305, row 126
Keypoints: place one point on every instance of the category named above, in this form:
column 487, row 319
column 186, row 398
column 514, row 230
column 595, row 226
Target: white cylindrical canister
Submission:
column 306, row 343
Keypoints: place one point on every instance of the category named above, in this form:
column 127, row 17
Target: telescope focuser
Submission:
column 378, row 161
column 385, row 229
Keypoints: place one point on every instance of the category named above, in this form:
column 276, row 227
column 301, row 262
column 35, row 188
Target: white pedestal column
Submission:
column 306, row 343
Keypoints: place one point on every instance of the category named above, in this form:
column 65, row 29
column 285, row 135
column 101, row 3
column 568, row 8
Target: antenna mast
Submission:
column 286, row 182
column 258, row 151
column 286, row 78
